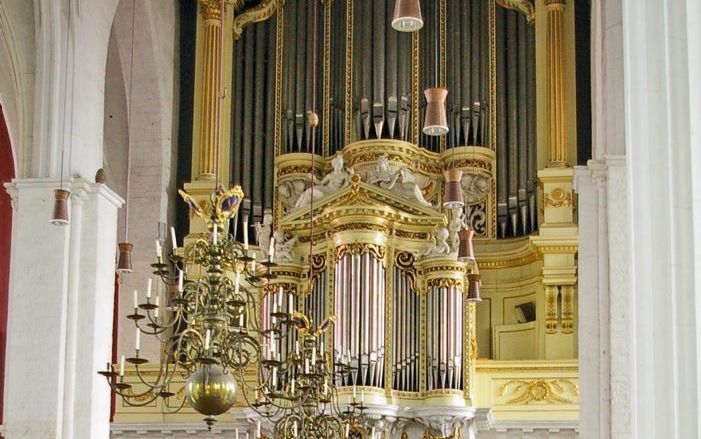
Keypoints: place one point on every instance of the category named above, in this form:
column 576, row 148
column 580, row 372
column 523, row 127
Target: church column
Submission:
column 208, row 103
column 60, row 311
column 557, row 240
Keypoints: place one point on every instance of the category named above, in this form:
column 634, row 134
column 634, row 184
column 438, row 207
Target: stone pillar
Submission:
column 210, row 88
column 557, row 133
column 60, row 312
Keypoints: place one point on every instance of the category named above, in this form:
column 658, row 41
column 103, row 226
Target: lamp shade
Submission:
column 466, row 250
column 60, row 213
column 124, row 261
column 473, row 288
column 435, row 121
column 453, row 193
column 407, row 16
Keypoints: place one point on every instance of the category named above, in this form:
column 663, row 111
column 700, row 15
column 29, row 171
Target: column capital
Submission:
column 555, row 4
column 211, row 11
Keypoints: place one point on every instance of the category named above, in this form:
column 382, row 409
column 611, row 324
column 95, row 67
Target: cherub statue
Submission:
column 334, row 181
column 264, row 231
column 383, row 176
column 458, row 221
column 407, row 186
column 284, row 249
column 440, row 245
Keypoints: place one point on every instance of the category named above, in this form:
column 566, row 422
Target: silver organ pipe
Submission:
column 444, row 329
column 359, row 296
column 405, row 333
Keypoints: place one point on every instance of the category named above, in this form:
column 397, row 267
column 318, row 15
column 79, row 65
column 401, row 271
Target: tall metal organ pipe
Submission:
column 444, row 328
column 359, row 303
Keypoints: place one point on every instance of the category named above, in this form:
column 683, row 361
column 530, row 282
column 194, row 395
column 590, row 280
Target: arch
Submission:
column 7, row 173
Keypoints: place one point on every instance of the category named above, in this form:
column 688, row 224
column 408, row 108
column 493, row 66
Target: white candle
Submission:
column 297, row 347
column 207, row 339
column 292, row 387
column 322, row 348
column 290, row 303
column 347, row 430
column 326, row 386
column 314, row 356
column 372, row 435
column 294, row 429
column 121, row 367
column 271, row 249
column 173, row 239
column 274, row 377
column 215, row 235
column 180, row 281
column 136, row 299
column 258, row 430
column 362, row 397
column 353, row 391
column 306, row 365
column 159, row 250
column 237, row 283
column 241, row 320
column 149, row 284
column 245, row 232
column 158, row 302
column 237, row 433
column 138, row 339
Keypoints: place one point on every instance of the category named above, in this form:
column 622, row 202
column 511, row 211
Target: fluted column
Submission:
column 210, row 103
column 557, row 147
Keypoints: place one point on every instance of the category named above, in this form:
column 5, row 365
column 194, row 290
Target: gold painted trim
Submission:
column 415, row 46
column 349, row 72
column 262, row 12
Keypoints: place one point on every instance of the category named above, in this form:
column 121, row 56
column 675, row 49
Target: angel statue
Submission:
column 440, row 245
column 382, row 175
column 402, row 182
column 333, row 182
column 284, row 248
column 457, row 223
column 264, row 231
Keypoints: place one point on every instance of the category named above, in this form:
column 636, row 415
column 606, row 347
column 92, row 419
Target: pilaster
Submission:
column 60, row 315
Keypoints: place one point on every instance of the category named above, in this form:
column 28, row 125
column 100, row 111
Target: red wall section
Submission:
column 7, row 173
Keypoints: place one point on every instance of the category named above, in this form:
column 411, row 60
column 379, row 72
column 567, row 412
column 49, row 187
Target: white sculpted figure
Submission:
column 333, row 182
column 402, row 182
column 457, row 223
column 284, row 249
column 440, row 245
column 264, row 232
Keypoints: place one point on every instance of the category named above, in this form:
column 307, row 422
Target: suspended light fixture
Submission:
column 466, row 249
column 436, row 119
column 473, row 288
column 125, row 248
column 407, row 16
column 453, row 193
column 60, row 212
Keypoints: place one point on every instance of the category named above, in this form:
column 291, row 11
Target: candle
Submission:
column 258, row 430
column 215, row 234
column 241, row 320
column 322, row 348
column 158, row 302
column 149, row 284
column 292, row 386
column 372, row 435
column 136, row 299
column 173, row 239
column 245, row 232
column 294, row 429
column 290, row 305
column 237, row 283
column 207, row 339
column 159, row 250
column 353, row 391
column 180, row 281
column 271, row 249
column 306, row 365
column 274, row 377
column 297, row 347
column 121, row 367
column 314, row 356
column 272, row 346
column 362, row 396
column 138, row 339
column 347, row 430
column 326, row 386
column 237, row 433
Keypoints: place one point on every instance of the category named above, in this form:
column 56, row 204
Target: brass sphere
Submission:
column 210, row 391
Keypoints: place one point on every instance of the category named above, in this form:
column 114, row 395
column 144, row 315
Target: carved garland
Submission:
column 553, row 391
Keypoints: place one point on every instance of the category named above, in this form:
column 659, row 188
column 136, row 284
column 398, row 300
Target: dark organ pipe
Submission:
column 522, row 128
column 512, row 116
column 502, row 151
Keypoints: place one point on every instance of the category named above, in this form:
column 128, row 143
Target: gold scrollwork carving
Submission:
column 551, row 309
column 318, row 262
column 404, row 261
column 526, row 7
column 361, row 226
column 550, row 391
column 558, row 198
column 262, row 12
column 359, row 248
column 444, row 282
column 412, row 235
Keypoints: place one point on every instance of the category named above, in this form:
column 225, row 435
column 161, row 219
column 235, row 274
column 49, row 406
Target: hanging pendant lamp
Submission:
column 473, row 288
column 466, row 249
column 124, row 261
column 60, row 212
column 453, row 193
column 407, row 16
column 436, row 120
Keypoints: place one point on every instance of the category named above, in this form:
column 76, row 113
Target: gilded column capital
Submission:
column 211, row 11
column 555, row 4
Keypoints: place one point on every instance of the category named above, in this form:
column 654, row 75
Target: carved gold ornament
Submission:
column 359, row 248
column 558, row 198
column 262, row 12
column 550, row 391
column 524, row 6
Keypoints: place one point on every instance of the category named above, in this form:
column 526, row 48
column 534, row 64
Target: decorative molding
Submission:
column 558, row 197
column 262, row 12
column 556, row 391
column 526, row 7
